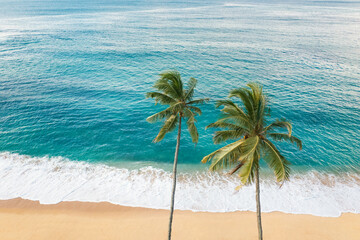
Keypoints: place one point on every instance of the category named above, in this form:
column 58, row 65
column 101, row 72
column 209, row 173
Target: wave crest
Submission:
column 56, row 179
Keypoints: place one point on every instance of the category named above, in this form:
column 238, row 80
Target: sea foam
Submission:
column 56, row 179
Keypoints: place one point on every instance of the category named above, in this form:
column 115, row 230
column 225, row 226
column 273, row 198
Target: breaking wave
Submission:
column 56, row 179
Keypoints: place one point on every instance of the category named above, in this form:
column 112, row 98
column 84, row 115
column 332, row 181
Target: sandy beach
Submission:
column 24, row 219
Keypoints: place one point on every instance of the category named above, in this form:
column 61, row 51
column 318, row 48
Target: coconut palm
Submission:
column 180, row 103
column 248, row 126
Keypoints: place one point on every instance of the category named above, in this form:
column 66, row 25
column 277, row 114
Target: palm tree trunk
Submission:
column 174, row 179
column 258, row 208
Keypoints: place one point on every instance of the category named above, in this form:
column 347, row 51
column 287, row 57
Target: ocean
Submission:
column 73, row 78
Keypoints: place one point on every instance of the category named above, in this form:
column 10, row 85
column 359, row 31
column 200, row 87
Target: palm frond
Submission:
column 250, row 157
column 227, row 103
column 187, row 113
column 249, row 146
column 189, row 92
column 236, row 168
column 231, row 112
column 231, row 108
column 260, row 111
column 161, row 98
column 224, row 124
column 280, row 124
column 195, row 109
column 247, row 171
column 191, row 124
column 225, row 135
column 276, row 161
column 177, row 107
column 246, row 97
column 192, row 130
column 225, row 156
column 174, row 79
column 169, row 125
column 237, row 120
column 160, row 115
column 164, row 86
column 256, row 91
column 287, row 138
column 199, row 101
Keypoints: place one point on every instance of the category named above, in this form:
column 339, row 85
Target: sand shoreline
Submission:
column 25, row 219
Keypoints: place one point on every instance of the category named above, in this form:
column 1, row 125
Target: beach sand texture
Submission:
column 24, row 219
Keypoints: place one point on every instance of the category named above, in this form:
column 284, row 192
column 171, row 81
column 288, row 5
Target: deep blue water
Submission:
column 73, row 75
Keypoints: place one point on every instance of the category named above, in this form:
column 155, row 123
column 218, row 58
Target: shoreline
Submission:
column 59, row 179
column 103, row 220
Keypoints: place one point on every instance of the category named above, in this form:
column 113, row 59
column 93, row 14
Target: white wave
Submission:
column 166, row 10
column 52, row 180
column 229, row 4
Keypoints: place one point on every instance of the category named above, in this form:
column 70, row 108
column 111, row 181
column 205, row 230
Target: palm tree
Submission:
column 248, row 126
column 180, row 103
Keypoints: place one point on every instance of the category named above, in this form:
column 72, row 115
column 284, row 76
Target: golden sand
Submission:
column 23, row 219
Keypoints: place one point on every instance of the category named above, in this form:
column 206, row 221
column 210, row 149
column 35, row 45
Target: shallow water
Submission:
column 73, row 77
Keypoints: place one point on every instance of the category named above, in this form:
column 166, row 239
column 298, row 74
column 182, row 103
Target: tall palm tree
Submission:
column 180, row 103
column 248, row 126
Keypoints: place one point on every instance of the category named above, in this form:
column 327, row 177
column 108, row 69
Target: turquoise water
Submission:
column 73, row 75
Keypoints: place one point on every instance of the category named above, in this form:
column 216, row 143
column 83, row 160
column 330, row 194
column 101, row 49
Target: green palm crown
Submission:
column 181, row 104
column 247, row 125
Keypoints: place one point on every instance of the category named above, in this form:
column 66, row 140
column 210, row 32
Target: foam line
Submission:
column 51, row 180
